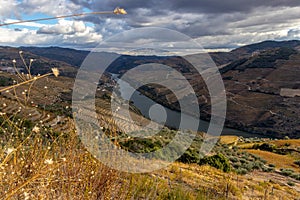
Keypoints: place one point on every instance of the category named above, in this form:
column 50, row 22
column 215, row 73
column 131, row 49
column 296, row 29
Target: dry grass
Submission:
column 38, row 163
column 248, row 145
column 228, row 139
column 291, row 143
column 281, row 161
column 57, row 168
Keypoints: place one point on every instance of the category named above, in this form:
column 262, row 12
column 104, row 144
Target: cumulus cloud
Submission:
column 53, row 8
column 65, row 33
column 63, row 27
column 8, row 8
column 214, row 23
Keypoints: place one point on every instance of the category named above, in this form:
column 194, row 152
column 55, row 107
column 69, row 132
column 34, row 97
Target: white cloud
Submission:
column 224, row 29
column 64, row 27
column 53, row 8
column 8, row 8
column 66, row 33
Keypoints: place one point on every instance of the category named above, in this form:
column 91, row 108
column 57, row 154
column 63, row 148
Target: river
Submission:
column 172, row 119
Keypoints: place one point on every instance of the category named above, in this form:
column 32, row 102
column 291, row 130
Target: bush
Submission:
column 218, row 161
column 272, row 165
column 295, row 176
column 297, row 162
column 242, row 171
column 233, row 159
column 286, row 172
column 242, row 160
column 190, row 156
column 290, row 183
column 237, row 165
column 265, row 147
column 257, row 165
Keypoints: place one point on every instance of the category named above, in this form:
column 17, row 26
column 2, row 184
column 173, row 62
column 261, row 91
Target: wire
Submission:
column 116, row 11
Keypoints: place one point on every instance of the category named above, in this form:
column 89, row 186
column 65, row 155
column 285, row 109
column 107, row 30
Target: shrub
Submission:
column 218, row 161
column 265, row 147
column 272, row 165
column 237, row 165
column 241, row 171
column 242, row 160
column 290, row 183
column 248, row 166
column 297, row 162
column 286, row 172
column 295, row 176
column 257, row 165
column 233, row 159
column 190, row 156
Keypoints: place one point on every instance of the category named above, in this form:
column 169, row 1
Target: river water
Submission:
column 172, row 118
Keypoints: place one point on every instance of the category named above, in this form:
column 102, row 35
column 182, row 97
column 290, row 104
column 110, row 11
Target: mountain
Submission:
column 40, row 64
column 248, row 49
column 262, row 81
column 70, row 56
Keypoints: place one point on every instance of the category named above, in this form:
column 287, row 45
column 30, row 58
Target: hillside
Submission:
column 40, row 64
column 42, row 157
column 261, row 81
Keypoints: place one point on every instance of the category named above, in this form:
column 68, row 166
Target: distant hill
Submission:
column 249, row 49
column 70, row 56
column 41, row 65
column 254, row 76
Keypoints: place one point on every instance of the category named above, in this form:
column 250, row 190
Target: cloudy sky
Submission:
column 214, row 24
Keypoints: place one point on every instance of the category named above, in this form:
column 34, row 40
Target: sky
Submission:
column 216, row 25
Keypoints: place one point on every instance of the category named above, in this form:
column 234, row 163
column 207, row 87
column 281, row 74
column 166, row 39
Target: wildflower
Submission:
column 49, row 161
column 20, row 52
column 14, row 61
column 36, row 129
column 9, row 151
column 120, row 11
column 26, row 196
column 55, row 72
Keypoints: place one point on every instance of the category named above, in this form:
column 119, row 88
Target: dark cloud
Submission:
column 227, row 23
column 191, row 6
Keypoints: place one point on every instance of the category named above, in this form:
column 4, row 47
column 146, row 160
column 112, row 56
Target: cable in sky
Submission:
column 117, row 11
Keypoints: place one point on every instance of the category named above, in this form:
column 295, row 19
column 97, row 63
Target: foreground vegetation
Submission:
column 40, row 159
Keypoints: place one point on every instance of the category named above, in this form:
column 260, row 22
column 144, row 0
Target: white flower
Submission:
column 55, row 72
column 14, row 61
column 36, row 129
column 9, row 151
column 120, row 11
column 49, row 161
column 26, row 196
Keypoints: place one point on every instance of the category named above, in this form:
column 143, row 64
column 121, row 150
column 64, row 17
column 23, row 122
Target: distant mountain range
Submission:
column 254, row 77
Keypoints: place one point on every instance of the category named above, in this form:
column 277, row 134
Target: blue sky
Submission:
column 215, row 24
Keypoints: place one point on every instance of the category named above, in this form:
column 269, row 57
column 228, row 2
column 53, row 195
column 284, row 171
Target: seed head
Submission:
column 55, row 72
